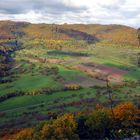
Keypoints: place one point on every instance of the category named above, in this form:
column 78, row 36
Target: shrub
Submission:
column 72, row 87
column 99, row 124
column 60, row 129
column 125, row 113
column 25, row 134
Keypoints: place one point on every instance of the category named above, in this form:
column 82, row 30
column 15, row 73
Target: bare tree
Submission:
column 57, row 32
column 138, row 56
column 138, row 33
column 109, row 91
column 53, row 30
column 138, row 59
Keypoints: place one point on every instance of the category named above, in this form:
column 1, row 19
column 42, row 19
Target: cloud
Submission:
column 72, row 11
column 24, row 6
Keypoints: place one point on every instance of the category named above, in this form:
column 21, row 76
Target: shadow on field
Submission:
column 79, row 35
column 77, row 54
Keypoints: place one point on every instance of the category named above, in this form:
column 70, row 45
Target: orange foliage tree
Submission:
column 25, row 134
column 125, row 112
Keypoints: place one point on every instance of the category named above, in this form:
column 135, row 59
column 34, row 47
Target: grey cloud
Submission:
column 113, row 7
column 57, row 11
column 15, row 6
column 23, row 6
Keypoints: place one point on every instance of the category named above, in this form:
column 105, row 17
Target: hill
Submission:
column 91, row 33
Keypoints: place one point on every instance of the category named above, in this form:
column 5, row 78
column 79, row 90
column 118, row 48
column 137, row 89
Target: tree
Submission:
column 60, row 129
column 125, row 113
column 25, row 134
column 99, row 124
column 138, row 33
column 109, row 91
column 138, row 59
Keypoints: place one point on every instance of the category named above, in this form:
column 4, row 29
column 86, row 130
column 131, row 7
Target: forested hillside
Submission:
column 118, row 34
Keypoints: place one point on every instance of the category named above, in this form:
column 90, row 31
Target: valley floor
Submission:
column 61, row 81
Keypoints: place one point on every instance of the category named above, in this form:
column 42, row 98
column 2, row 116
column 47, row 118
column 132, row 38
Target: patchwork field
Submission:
column 67, row 81
column 47, row 76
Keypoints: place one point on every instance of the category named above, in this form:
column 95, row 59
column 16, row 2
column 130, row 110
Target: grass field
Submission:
column 38, row 68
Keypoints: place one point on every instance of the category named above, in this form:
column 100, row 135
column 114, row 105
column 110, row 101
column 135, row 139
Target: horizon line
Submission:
column 66, row 23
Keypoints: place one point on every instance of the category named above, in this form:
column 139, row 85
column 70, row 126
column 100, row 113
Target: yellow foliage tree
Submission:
column 62, row 128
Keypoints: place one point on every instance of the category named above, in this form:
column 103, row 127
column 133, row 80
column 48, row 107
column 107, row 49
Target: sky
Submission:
column 126, row 12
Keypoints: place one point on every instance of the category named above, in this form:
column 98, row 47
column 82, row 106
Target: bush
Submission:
column 72, row 87
column 25, row 134
column 60, row 129
column 99, row 124
column 124, row 114
column 11, row 95
column 50, row 70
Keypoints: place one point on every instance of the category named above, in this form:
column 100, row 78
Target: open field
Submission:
column 67, row 81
